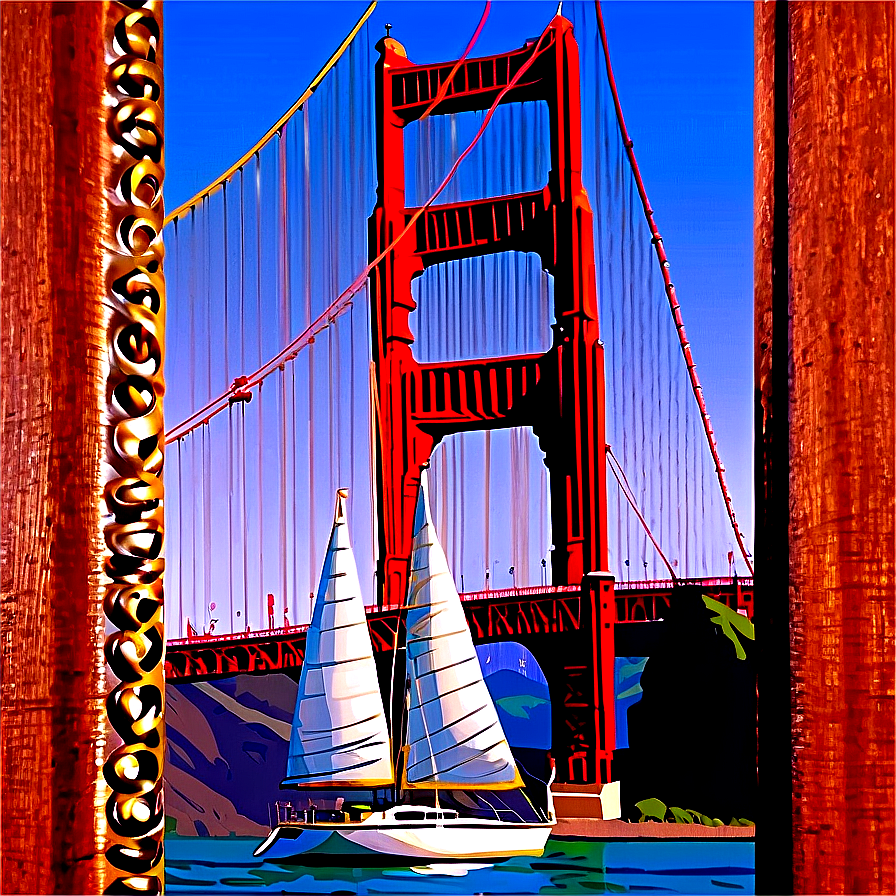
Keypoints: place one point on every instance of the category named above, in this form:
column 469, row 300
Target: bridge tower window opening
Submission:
column 517, row 131
column 489, row 493
column 483, row 307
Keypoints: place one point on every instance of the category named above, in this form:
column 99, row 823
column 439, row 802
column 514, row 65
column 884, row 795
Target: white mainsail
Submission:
column 454, row 737
column 339, row 732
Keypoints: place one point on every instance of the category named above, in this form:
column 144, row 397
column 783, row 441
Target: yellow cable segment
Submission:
column 190, row 203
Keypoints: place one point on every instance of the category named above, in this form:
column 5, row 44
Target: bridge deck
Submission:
column 502, row 614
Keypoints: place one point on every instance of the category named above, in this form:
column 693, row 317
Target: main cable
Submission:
column 343, row 301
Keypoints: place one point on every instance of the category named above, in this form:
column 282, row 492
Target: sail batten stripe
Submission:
column 318, row 665
column 351, row 746
column 466, row 761
column 340, row 600
column 432, row 755
column 449, row 666
column 419, row 705
column 456, row 721
column 330, row 774
column 313, row 731
column 435, row 637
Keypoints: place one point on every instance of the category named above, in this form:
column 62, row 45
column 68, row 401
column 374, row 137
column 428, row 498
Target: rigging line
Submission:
column 674, row 305
column 236, row 166
column 342, row 301
column 631, row 500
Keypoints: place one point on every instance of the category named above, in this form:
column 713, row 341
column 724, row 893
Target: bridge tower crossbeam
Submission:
column 559, row 393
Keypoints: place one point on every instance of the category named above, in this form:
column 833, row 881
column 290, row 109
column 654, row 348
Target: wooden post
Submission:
column 81, row 750
column 825, row 387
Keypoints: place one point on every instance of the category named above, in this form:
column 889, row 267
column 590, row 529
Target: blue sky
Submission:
column 685, row 77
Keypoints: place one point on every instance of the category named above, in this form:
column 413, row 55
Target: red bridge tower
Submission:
column 560, row 393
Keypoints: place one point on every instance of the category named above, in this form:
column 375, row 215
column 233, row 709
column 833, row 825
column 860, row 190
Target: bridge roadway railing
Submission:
column 495, row 614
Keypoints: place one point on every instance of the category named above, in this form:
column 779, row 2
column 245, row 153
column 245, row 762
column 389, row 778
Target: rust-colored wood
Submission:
column 774, row 841
column 842, row 445
column 837, row 91
column 53, row 347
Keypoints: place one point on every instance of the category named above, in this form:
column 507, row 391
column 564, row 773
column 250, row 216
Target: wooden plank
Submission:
column 836, row 85
column 53, row 349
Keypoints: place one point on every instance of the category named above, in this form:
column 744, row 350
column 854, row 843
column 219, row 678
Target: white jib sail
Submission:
column 454, row 738
column 339, row 731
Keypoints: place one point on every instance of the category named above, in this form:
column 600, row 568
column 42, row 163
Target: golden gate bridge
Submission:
column 409, row 269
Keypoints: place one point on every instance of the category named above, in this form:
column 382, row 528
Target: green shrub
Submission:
column 653, row 809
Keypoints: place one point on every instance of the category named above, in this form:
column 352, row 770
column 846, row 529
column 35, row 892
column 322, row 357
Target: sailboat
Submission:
column 452, row 789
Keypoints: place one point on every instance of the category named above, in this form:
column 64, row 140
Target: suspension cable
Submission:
column 674, row 306
column 625, row 488
column 274, row 129
column 289, row 352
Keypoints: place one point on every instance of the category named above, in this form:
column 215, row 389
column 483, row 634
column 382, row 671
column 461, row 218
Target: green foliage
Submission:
column 731, row 622
column 653, row 809
column 681, row 816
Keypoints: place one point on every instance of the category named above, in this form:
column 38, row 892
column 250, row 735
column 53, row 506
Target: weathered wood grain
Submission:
column 838, row 407
column 53, row 352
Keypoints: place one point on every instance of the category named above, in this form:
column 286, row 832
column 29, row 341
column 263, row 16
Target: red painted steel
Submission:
column 569, row 636
column 560, row 393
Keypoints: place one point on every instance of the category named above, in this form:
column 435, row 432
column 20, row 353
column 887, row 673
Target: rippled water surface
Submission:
column 226, row 865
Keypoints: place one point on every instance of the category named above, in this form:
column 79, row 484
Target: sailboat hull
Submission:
column 462, row 838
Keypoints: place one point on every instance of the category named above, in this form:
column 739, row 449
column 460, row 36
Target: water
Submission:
column 568, row 866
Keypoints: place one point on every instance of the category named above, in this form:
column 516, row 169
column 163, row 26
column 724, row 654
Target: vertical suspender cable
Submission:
column 284, row 447
column 242, row 269
column 206, row 522
column 284, row 240
column 260, row 457
column 287, row 334
column 226, row 290
column 230, row 462
column 244, row 515
column 244, row 523
column 294, row 493
column 193, row 526
column 181, row 629
column 312, row 546
column 332, row 394
column 193, row 303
